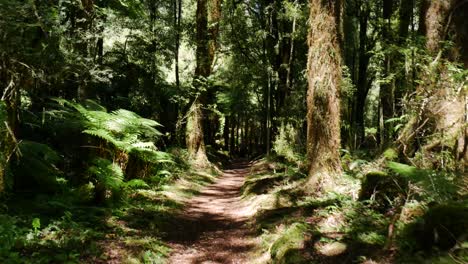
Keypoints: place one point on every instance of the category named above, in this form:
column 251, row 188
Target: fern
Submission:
column 136, row 184
column 106, row 173
column 124, row 129
column 36, row 165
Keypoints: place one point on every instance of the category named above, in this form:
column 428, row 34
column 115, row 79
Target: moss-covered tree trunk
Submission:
column 323, row 103
column 206, row 39
column 438, row 124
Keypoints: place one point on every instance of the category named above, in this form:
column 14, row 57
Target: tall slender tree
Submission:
column 387, row 89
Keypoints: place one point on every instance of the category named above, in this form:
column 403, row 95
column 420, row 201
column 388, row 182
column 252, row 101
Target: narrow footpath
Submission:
column 214, row 228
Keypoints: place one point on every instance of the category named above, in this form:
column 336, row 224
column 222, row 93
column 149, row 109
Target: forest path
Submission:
column 214, row 226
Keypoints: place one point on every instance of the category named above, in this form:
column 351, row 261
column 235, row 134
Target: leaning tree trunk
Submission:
column 323, row 103
column 439, row 122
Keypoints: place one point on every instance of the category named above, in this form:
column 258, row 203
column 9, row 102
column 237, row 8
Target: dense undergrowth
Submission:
column 103, row 193
column 383, row 212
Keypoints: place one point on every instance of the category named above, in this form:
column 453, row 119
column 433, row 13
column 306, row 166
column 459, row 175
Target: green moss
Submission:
column 286, row 249
column 390, row 154
column 407, row 171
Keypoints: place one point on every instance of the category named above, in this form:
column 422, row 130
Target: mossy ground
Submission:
column 335, row 228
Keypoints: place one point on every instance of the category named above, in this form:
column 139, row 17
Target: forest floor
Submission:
column 214, row 227
column 251, row 212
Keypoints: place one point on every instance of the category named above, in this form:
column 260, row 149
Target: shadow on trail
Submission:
column 212, row 227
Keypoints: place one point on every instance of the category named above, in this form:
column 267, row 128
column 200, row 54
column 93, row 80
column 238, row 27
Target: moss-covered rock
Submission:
column 444, row 226
column 382, row 188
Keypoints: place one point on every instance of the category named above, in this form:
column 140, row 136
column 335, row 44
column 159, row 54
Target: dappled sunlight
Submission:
column 218, row 219
column 233, row 132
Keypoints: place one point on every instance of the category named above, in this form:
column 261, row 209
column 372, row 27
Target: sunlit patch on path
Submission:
column 214, row 228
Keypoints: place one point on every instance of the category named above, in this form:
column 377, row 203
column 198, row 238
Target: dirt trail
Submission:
column 213, row 229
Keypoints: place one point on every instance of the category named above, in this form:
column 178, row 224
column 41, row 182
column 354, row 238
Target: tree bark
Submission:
column 441, row 124
column 362, row 83
column 206, row 39
column 387, row 89
column 177, row 23
column 323, row 103
column 9, row 115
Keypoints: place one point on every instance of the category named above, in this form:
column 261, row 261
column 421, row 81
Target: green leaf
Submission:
column 36, row 224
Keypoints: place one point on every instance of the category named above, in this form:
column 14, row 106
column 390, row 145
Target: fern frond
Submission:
column 144, row 145
column 105, row 135
column 107, row 173
column 152, row 156
column 136, row 184
column 36, row 166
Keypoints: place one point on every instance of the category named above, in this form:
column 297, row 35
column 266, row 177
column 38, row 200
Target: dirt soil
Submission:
column 213, row 226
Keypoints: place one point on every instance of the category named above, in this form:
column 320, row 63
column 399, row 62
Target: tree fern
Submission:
column 122, row 128
column 126, row 131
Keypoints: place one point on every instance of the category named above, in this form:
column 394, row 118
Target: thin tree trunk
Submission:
column 227, row 124
column 402, row 83
column 177, row 21
column 387, row 90
column 362, row 87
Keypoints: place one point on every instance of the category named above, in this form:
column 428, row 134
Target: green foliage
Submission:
column 390, row 154
column 106, row 173
column 122, row 129
column 408, row 171
column 287, row 144
column 434, row 185
column 36, row 166
column 136, row 184
column 9, row 233
column 36, row 224
column 286, row 249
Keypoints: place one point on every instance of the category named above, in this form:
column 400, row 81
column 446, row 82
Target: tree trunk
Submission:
column 206, row 39
column 323, row 103
column 213, row 29
column 194, row 136
column 177, row 21
column 387, row 89
column 362, row 83
column 402, row 84
column 227, row 125
column 9, row 116
column 6, row 144
column 441, row 125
